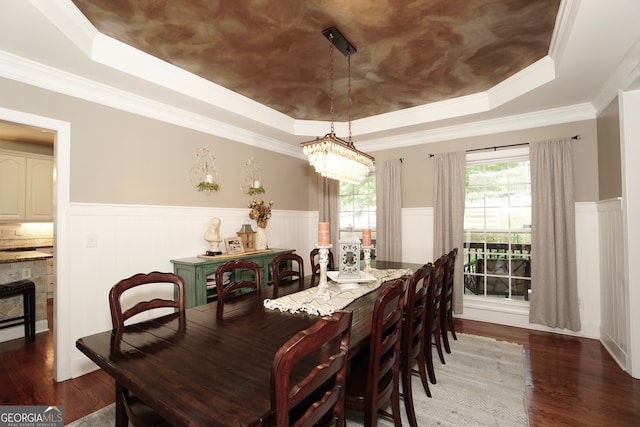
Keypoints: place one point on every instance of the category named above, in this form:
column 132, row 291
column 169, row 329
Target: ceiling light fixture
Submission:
column 333, row 157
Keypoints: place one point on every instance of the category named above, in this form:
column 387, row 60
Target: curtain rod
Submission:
column 494, row 148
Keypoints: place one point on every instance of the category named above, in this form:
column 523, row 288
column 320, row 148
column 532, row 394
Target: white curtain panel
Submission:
column 554, row 284
column 389, row 210
column 448, row 228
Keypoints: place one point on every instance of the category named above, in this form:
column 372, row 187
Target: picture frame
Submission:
column 234, row 245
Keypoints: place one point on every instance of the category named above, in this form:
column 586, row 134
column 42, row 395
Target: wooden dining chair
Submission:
column 244, row 274
column 432, row 329
column 446, row 315
column 374, row 379
column 285, row 267
column 412, row 348
column 317, row 396
column 314, row 257
column 129, row 407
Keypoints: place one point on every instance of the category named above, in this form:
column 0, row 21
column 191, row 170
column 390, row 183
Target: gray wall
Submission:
column 417, row 168
column 122, row 158
column 119, row 157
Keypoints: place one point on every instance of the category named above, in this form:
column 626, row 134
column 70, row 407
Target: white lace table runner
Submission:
column 342, row 294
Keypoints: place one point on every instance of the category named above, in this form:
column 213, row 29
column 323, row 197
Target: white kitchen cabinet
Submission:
column 39, row 189
column 26, row 187
column 12, row 186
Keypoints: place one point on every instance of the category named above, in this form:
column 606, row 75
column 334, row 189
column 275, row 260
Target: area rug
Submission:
column 481, row 384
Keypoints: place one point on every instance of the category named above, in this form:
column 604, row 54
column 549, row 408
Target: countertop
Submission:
column 22, row 256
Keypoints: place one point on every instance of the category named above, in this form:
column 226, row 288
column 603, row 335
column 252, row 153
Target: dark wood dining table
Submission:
column 199, row 370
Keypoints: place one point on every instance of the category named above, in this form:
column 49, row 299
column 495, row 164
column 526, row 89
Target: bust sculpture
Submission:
column 213, row 237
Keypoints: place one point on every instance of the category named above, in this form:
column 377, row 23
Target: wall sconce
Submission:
column 252, row 182
column 203, row 174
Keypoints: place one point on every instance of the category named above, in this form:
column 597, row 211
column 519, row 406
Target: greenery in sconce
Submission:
column 208, row 186
column 256, row 190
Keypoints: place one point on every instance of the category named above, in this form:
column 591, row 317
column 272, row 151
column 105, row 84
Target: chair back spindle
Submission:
column 378, row 369
column 413, row 337
column 286, row 267
column 245, row 274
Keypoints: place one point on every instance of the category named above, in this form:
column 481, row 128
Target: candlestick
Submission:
column 323, row 286
column 367, row 257
column 324, row 234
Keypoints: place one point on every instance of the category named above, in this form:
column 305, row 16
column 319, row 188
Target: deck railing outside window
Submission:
column 500, row 270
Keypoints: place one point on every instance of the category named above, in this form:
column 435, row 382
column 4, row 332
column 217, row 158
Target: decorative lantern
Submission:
column 349, row 257
column 248, row 237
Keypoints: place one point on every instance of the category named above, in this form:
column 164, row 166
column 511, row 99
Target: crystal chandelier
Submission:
column 333, row 157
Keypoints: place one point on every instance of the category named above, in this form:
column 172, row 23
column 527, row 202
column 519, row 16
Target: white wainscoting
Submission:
column 417, row 235
column 614, row 294
column 132, row 239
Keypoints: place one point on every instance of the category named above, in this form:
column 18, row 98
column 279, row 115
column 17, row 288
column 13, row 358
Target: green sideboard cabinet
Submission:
column 196, row 270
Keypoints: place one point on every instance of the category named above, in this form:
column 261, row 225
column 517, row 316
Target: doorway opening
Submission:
column 61, row 155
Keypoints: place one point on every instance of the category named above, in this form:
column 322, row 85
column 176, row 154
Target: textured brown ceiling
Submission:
column 409, row 52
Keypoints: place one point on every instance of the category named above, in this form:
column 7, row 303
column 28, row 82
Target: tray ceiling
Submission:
column 273, row 51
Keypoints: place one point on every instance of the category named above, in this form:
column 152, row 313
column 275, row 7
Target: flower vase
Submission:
column 261, row 238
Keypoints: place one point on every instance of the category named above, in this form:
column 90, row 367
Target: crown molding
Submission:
column 428, row 113
column 626, row 74
column 23, row 70
column 111, row 53
column 68, row 19
column 116, row 55
column 562, row 30
column 484, row 127
column 45, row 77
column 528, row 79
column 535, row 75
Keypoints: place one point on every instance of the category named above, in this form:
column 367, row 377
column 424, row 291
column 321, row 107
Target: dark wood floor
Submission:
column 570, row 381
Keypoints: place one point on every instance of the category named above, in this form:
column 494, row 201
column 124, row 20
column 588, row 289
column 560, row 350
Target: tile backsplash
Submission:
column 33, row 234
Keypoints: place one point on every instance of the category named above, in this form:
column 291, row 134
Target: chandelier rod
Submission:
column 330, row 37
column 349, row 97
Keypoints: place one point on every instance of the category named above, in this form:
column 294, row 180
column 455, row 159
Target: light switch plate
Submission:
column 92, row 240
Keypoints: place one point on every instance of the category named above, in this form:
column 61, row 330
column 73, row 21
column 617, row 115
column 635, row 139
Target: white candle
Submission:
column 256, row 184
column 209, row 178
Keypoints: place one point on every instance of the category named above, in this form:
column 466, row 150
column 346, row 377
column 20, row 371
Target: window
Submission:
column 497, row 223
column 358, row 206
